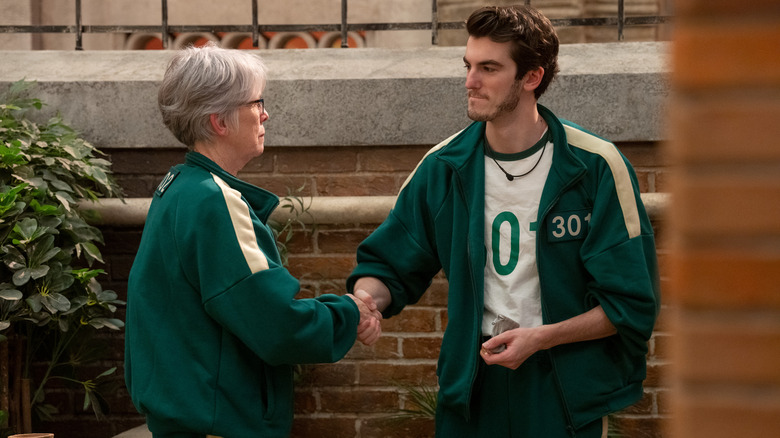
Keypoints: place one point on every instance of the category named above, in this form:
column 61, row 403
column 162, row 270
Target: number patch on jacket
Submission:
column 166, row 182
column 569, row 225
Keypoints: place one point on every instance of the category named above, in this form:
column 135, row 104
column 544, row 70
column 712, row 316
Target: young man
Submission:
column 536, row 223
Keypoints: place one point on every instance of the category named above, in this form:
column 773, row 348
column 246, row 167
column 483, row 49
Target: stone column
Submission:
column 724, row 220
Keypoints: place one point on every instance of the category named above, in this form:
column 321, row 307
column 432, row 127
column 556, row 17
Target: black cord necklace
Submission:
column 509, row 176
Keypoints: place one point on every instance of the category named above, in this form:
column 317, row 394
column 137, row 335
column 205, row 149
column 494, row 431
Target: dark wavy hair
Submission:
column 533, row 37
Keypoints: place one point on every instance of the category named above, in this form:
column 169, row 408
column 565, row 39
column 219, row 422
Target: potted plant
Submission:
column 50, row 298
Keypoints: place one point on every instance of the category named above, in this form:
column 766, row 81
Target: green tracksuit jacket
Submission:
column 595, row 245
column 212, row 324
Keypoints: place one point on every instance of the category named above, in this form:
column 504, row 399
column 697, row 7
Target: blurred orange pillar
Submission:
column 724, row 220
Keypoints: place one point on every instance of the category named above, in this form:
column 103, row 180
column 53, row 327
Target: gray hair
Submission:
column 201, row 81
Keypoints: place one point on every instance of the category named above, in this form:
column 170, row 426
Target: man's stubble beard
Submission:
column 508, row 105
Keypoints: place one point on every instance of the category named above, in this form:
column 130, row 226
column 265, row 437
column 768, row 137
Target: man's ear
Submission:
column 218, row 124
column 534, row 78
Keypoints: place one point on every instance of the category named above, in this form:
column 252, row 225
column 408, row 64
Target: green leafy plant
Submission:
column 50, row 296
column 421, row 402
column 422, row 405
column 284, row 230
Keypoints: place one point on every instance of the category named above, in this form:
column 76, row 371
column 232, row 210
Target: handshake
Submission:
column 369, row 328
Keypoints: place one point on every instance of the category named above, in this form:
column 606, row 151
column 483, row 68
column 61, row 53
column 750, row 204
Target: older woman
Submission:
column 213, row 328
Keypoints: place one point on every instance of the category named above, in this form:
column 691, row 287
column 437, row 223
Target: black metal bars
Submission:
column 620, row 21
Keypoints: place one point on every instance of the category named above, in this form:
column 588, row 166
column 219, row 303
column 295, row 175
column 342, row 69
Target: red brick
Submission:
column 301, row 241
column 715, row 412
column 336, row 374
column 726, row 53
column 141, row 161
column 727, row 347
column 356, row 185
column 388, row 374
column 645, row 406
column 421, row 347
column 385, row 348
column 397, row 427
column 662, row 401
column 336, row 427
column 412, row 319
column 636, row 427
column 359, row 402
column 643, row 154
column 725, row 8
column 305, row 402
column 318, row 267
column 741, row 278
column 283, row 185
column 716, row 205
column 660, row 345
column 436, row 295
column 340, row 241
column 705, row 129
column 657, row 375
column 263, row 164
column 317, row 160
column 391, row 159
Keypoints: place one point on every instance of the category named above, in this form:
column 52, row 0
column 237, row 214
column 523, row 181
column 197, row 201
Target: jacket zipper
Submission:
column 550, row 357
column 473, row 284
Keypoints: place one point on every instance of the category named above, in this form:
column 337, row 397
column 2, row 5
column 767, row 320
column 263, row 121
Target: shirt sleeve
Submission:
column 234, row 264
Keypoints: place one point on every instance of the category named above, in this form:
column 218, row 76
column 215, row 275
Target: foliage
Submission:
column 422, row 402
column 284, row 231
column 49, row 294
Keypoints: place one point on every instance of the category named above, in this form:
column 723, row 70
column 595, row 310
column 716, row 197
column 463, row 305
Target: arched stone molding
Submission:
column 329, row 39
column 232, row 40
column 185, row 39
column 139, row 41
column 281, row 39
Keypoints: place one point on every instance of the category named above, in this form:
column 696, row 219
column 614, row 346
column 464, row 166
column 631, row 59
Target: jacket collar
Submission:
column 262, row 202
column 566, row 167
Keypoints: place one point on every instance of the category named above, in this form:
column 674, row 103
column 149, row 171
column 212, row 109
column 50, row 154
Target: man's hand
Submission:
column 369, row 328
column 521, row 343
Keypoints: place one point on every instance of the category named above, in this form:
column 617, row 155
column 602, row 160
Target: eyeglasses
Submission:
column 259, row 104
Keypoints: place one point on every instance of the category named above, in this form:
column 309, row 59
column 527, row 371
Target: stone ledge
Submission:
column 323, row 209
column 333, row 97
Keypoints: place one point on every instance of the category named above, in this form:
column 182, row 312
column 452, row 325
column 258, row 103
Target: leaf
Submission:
column 11, row 295
column 38, row 271
column 14, row 258
column 26, row 228
column 57, row 302
column 61, row 185
column 22, row 276
column 64, row 199
column 111, row 323
column 35, row 303
column 106, row 373
column 4, row 325
column 91, row 252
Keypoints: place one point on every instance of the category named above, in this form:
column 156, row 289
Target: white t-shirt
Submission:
column 511, row 278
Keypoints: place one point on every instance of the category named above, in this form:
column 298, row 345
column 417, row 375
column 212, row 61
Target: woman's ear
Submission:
column 218, row 124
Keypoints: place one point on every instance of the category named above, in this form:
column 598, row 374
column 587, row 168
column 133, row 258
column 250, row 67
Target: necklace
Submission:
column 509, row 176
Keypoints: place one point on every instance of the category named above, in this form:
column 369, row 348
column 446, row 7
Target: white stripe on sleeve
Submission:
column 243, row 227
column 625, row 190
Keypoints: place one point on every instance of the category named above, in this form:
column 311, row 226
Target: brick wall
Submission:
column 361, row 395
column 724, row 225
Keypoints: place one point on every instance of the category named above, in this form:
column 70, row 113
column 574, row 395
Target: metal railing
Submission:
column 620, row 22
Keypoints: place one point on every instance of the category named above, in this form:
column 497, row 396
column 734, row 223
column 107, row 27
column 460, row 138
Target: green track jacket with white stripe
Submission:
column 213, row 327
column 594, row 243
